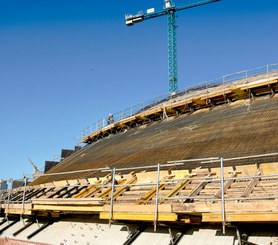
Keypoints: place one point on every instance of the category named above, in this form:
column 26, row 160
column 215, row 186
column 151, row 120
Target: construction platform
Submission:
column 162, row 195
column 167, row 197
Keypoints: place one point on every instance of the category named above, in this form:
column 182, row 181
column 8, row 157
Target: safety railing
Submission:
column 225, row 81
column 157, row 198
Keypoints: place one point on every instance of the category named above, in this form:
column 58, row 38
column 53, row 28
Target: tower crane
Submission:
column 170, row 10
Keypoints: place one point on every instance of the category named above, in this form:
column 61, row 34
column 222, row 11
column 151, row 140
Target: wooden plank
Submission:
column 149, row 195
column 227, row 171
column 180, row 103
column 241, row 217
column 106, row 192
column 27, row 206
column 67, row 208
column 139, row 216
column 18, row 211
column 247, row 171
column 269, row 168
column 89, row 191
column 84, row 192
column 150, row 176
column 69, row 201
column 199, row 187
column 259, row 83
column 249, row 188
column 126, row 120
column 57, row 191
column 120, row 190
column 108, row 127
column 230, row 206
column 215, row 94
column 122, row 208
column 151, row 112
column 177, row 188
column 227, row 185
column 61, row 183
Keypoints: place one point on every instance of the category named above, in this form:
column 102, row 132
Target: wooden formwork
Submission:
column 248, row 193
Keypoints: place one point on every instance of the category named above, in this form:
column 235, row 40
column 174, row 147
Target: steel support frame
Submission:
column 223, row 214
column 172, row 52
column 112, row 196
column 156, row 197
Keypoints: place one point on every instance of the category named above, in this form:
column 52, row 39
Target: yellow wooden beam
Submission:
column 18, row 211
column 230, row 207
column 121, row 190
column 67, row 208
column 69, row 201
column 139, row 216
column 241, row 217
column 149, row 195
column 177, row 188
column 227, row 185
column 257, row 84
column 151, row 208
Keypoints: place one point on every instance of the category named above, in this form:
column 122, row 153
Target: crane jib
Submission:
column 170, row 9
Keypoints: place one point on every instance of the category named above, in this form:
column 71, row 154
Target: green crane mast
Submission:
column 170, row 10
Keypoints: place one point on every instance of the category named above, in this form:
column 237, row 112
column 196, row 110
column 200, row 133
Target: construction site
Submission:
column 202, row 164
column 195, row 166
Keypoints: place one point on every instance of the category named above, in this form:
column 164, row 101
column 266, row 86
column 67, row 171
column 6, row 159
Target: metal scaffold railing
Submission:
column 224, row 82
column 114, row 185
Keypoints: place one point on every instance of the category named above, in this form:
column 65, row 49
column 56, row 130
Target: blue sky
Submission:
column 65, row 64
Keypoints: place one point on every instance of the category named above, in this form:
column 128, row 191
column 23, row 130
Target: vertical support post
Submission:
column 23, row 198
column 238, row 236
column 223, row 84
column 112, row 196
column 156, row 197
column 222, row 194
column 9, row 197
column 172, row 52
column 207, row 92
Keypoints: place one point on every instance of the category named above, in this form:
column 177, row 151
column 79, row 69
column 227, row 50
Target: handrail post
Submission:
column 222, row 194
column 112, row 196
column 23, row 198
column 156, row 196
column 9, row 197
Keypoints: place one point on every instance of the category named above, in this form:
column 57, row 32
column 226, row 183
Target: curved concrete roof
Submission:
column 239, row 128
